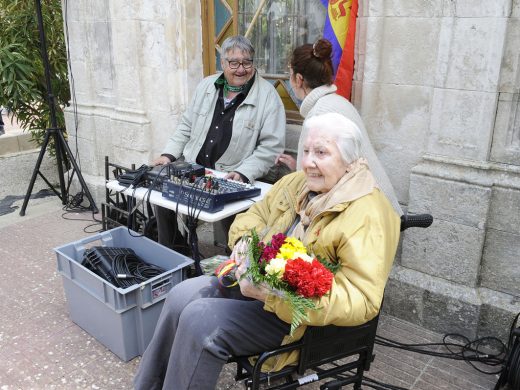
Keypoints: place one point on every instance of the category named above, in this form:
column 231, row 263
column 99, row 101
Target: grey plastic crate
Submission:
column 123, row 320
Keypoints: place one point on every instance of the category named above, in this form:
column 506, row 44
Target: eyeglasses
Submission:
column 247, row 64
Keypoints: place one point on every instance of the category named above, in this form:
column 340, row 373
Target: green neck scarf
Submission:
column 230, row 88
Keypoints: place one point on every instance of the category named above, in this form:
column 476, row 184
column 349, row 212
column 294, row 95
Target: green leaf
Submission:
column 22, row 81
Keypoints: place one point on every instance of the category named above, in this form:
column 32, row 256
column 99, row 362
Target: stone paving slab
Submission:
column 41, row 348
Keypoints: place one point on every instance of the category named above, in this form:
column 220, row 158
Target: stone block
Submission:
column 444, row 313
column 470, row 53
column 80, row 123
column 396, row 118
column 180, row 90
column 395, row 55
column 133, row 136
column 124, row 10
column 446, row 250
column 25, row 142
column 88, row 11
column 450, row 200
column 156, row 85
column 86, row 153
column 497, row 313
column 152, row 48
column 164, row 124
column 409, row 8
column 129, row 92
column 9, row 144
column 515, row 9
column 95, row 11
column 510, row 69
column 404, row 301
column 477, row 8
column 506, row 135
column 161, row 9
column 501, row 217
column 127, row 156
column 500, row 262
column 462, row 123
column 80, row 71
column 78, row 48
column 17, row 169
column 126, row 43
column 432, row 302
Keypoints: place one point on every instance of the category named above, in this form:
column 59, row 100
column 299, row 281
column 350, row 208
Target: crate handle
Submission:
column 105, row 238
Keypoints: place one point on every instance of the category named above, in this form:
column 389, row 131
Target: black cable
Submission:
column 511, row 372
column 74, row 110
column 466, row 352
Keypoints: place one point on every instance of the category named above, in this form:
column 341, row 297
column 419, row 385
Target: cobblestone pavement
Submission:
column 41, row 348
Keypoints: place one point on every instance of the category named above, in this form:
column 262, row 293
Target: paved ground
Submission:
column 41, row 348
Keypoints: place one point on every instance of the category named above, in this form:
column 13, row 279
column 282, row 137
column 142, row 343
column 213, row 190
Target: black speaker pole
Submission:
column 63, row 152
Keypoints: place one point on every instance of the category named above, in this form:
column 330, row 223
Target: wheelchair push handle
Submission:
column 415, row 220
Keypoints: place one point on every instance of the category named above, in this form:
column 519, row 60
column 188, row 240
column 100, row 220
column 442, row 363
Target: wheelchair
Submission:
column 323, row 346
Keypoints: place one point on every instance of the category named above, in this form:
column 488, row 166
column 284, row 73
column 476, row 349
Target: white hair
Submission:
column 237, row 42
column 345, row 133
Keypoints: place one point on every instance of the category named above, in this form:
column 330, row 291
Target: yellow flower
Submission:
column 290, row 247
column 276, row 267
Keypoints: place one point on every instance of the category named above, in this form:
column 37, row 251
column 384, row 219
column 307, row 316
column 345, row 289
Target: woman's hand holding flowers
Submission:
column 240, row 251
column 249, row 289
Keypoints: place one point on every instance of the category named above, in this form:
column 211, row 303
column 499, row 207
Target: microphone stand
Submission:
column 63, row 152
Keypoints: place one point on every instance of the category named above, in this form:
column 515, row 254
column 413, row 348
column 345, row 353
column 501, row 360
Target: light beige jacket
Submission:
column 361, row 235
column 258, row 129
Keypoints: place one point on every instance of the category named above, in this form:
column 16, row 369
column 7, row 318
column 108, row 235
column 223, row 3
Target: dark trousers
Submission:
column 169, row 235
column 168, row 232
column 198, row 330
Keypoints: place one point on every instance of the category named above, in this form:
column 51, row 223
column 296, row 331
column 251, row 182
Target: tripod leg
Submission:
column 59, row 160
column 35, row 173
column 72, row 160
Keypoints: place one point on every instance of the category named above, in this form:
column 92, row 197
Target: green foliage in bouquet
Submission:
column 300, row 305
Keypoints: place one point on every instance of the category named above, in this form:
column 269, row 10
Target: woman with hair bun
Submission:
column 311, row 78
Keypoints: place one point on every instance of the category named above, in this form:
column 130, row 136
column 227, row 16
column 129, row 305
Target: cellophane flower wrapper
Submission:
column 285, row 266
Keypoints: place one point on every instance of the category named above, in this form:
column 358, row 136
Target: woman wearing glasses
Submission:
column 311, row 77
column 234, row 123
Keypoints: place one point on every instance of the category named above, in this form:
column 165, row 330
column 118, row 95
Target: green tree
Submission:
column 22, row 79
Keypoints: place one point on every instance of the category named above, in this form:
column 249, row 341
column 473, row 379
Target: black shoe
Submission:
column 2, row 130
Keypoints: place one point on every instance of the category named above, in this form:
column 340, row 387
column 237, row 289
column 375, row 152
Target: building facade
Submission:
column 437, row 83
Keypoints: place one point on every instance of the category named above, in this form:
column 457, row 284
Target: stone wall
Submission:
column 437, row 83
column 134, row 65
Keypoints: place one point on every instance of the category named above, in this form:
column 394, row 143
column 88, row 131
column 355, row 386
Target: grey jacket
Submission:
column 258, row 129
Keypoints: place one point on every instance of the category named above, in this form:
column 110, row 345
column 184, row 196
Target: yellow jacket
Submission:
column 361, row 235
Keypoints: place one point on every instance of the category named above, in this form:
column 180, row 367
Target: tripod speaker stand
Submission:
column 63, row 152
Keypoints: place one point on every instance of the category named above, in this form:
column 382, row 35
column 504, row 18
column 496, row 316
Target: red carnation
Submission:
column 308, row 279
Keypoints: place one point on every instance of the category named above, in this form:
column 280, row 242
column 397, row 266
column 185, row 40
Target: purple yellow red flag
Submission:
column 340, row 30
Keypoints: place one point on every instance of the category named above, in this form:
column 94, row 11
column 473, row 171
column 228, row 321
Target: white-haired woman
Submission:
column 334, row 206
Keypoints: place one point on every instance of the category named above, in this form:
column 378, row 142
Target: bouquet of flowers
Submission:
column 285, row 265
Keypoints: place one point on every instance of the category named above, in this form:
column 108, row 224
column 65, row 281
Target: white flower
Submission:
column 276, row 267
column 303, row 256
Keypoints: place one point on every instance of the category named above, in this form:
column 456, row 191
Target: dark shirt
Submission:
column 221, row 128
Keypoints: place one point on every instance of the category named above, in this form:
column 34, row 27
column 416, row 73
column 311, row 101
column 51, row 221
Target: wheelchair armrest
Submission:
column 415, row 220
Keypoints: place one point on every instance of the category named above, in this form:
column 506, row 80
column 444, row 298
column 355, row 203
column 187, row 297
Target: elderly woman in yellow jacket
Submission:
column 334, row 206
